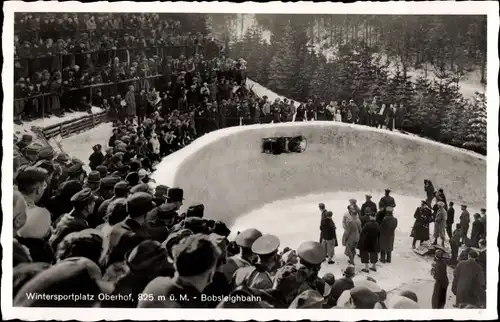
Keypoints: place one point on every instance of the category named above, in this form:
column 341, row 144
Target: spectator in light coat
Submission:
column 352, row 229
column 130, row 101
column 440, row 224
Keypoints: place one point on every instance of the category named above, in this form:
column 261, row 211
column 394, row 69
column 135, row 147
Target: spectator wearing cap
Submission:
column 26, row 140
column 83, row 206
column 93, row 181
column 60, row 203
column 343, row 284
column 86, row 243
column 46, row 153
column 31, row 151
column 65, row 278
column 160, row 221
column 477, row 232
column 259, row 275
column 76, row 172
column 329, row 236
column 387, row 200
column 196, row 259
column 450, row 219
column 440, row 223
column 311, row 254
column 62, row 159
column 246, row 257
column 369, row 244
column 145, row 262
column 105, row 192
column 469, row 284
column 387, row 234
column 103, row 170
column 440, row 275
column 160, row 194
column 354, row 204
column 464, row 224
column 120, row 190
column 420, row 230
column 352, row 229
column 97, row 157
column 367, row 208
column 124, row 236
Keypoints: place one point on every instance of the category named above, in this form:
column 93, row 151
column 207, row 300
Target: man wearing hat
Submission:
column 175, row 196
column 120, row 190
column 104, row 192
column 387, row 200
column 367, row 208
column 246, row 257
column 342, row 284
column 160, row 195
column 196, row 210
column 159, row 221
column 311, row 254
column 46, row 153
column 464, row 224
column 26, row 140
column 440, row 275
column 259, row 275
column 469, row 282
column 420, row 230
column 440, row 223
column 76, row 172
column 62, row 159
column 31, row 151
column 483, row 219
column 369, row 244
column 195, row 261
column 83, row 206
column 93, row 181
column 103, row 170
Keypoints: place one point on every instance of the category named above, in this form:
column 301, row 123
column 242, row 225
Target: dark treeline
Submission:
column 449, row 45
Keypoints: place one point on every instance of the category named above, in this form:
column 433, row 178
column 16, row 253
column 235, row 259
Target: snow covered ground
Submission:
column 296, row 220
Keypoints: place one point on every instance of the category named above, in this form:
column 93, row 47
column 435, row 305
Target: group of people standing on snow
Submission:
column 371, row 230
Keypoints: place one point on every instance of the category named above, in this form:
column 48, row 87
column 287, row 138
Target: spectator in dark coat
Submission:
column 368, row 207
column 429, row 191
column 96, row 158
column 464, row 223
column 477, row 232
column 329, row 236
column 420, row 230
column 387, row 232
column 450, row 218
column 386, row 200
column 454, row 245
column 369, row 245
column 440, row 276
column 469, row 284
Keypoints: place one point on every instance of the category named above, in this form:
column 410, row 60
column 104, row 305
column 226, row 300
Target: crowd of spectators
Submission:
column 56, row 56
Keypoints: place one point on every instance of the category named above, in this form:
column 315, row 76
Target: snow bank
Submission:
column 226, row 171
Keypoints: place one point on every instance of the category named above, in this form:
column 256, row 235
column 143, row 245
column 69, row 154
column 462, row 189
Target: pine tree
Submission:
column 477, row 128
column 282, row 70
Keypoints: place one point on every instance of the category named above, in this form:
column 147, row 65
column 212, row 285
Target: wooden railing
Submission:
column 70, row 127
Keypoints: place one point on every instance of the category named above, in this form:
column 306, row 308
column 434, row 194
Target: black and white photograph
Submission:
column 250, row 156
